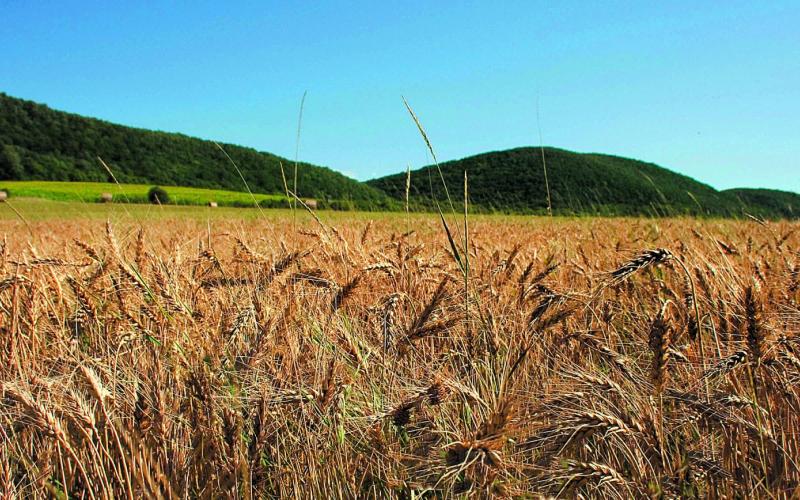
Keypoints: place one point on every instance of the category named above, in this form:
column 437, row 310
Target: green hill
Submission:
column 580, row 183
column 39, row 143
column 767, row 202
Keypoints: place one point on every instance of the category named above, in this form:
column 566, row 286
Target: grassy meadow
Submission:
column 190, row 352
column 90, row 192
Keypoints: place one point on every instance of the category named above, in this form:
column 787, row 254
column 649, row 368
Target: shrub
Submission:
column 157, row 195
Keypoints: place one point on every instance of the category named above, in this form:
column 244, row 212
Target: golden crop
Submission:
column 597, row 357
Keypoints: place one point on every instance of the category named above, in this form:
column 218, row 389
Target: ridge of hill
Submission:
column 39, row 143
column 580, row 183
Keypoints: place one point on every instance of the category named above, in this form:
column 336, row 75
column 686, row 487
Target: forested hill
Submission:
column 39, row 143
column 581, row 183
column 769, row 201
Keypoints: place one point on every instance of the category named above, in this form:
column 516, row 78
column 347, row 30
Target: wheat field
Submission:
column 300, row 358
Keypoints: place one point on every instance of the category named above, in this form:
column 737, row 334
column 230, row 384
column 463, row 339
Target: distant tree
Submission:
column 158, row 195
column 10, row 163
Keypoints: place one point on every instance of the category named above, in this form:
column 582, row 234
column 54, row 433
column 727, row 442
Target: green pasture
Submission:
column 90, row 192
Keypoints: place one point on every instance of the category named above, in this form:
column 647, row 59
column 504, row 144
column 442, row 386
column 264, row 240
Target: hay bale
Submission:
column 106, row 198
column 212, row 204
column 3, row 196
column 312, row 204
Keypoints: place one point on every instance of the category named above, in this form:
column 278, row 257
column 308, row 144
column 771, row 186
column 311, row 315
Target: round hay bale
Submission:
column 212, row 204
column 106, row 198
column 312, row 204
column 3, row 196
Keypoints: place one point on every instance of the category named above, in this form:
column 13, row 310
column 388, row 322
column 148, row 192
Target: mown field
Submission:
column 40, row 209
column 353, row 356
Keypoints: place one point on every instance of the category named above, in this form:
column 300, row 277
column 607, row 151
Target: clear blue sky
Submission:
column 710, row 89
